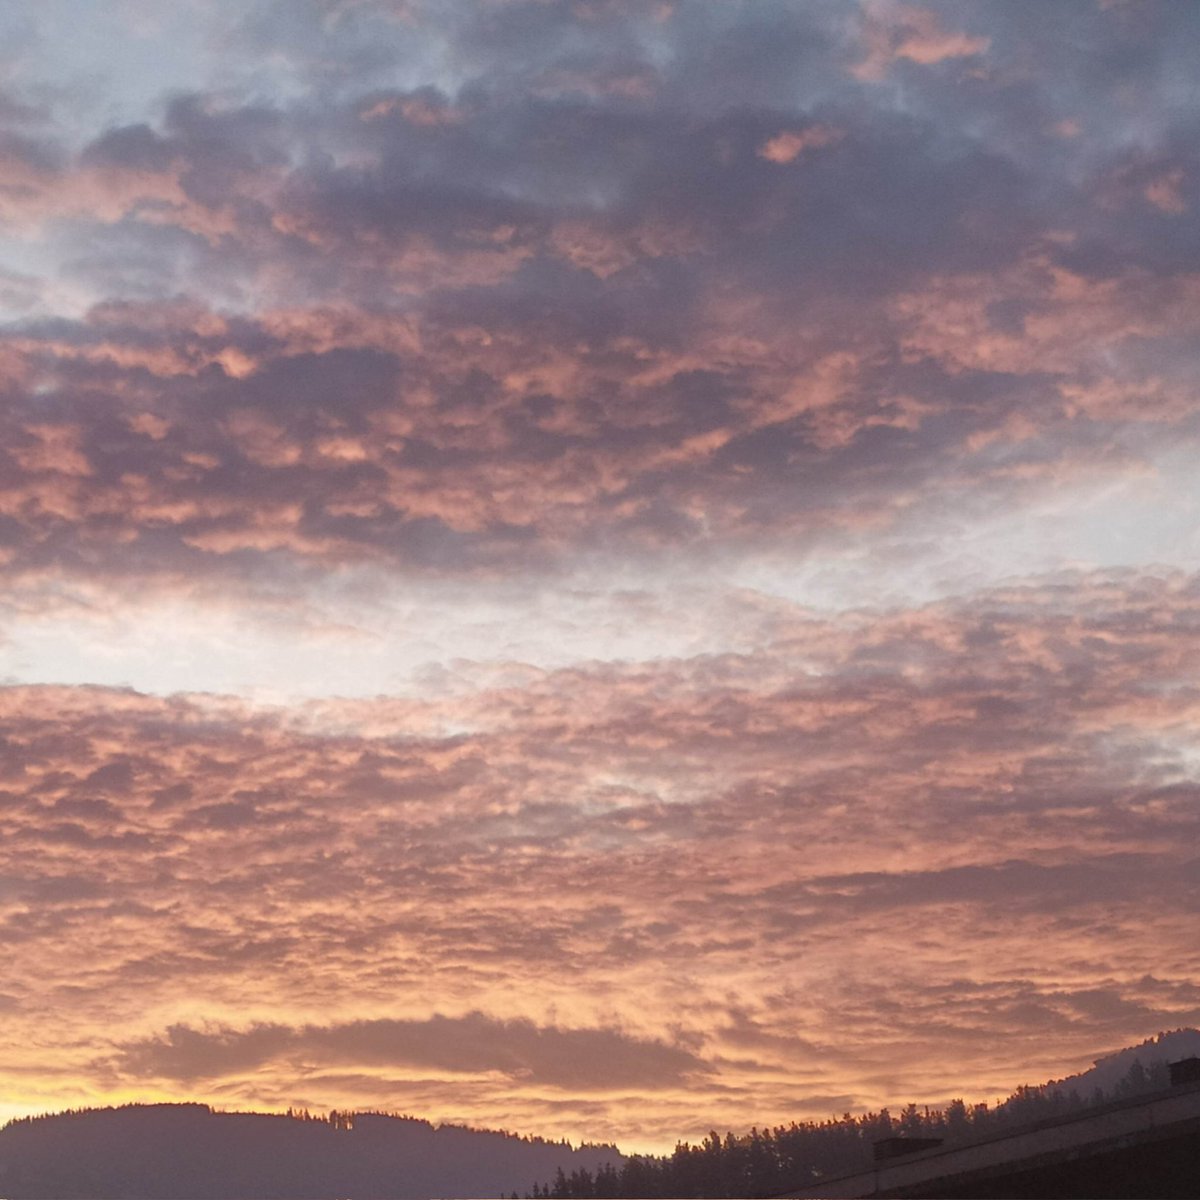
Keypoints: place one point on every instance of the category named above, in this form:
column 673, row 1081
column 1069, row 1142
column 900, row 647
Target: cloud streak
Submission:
column 571, row 1059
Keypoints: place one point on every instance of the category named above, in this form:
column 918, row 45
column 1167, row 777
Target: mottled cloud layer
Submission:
column 618, row 290
column 885, row 856
column 651, row 550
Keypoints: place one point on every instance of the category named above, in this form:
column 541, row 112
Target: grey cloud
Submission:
column 1011, row 887
column 586, row 1059
column 86, row 808
column 186, row 1053
column 37, row 154
column 519, row 223
column 136, row 147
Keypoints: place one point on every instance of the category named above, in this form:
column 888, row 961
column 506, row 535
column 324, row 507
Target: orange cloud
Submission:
column 615, row 852
column 892, row 31
column 787, row 146
column 1166, row 193
column 552, row 356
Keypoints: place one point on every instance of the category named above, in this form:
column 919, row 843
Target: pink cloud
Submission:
column 1166, row 193
column 787, row 146
column 893, row 31
column 753, row 824
column 608, row 317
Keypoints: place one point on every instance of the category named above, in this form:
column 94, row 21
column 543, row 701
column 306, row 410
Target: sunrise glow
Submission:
column 600, row 569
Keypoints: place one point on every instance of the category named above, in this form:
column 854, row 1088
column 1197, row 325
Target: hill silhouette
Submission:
column 190, row 1152
column 768, row 1162
column 1110, row 1074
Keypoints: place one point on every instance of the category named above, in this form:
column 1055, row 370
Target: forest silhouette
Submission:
column 192, row 1152
column 785, row 1158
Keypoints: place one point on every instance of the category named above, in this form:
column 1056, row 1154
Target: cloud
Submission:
column 736, row 460
column 573, row 1059
column 446, row 341
column 211, row 893
column 894, row 31
column 787, row 146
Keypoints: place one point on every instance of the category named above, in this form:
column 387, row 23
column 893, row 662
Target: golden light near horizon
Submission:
column 602, row 570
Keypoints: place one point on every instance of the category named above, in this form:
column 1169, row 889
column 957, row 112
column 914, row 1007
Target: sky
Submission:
column 600, row 569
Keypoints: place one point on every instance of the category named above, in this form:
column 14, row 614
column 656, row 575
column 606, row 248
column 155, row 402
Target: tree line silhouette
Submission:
column 193, row 1152
column 767, row 1162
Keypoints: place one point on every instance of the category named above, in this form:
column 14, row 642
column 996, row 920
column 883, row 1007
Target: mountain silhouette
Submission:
column 1108, row 1072
column 190, row 1152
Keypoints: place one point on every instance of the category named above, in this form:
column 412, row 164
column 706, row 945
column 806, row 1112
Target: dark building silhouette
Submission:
column 896, row 1147
column 1186, row 1070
